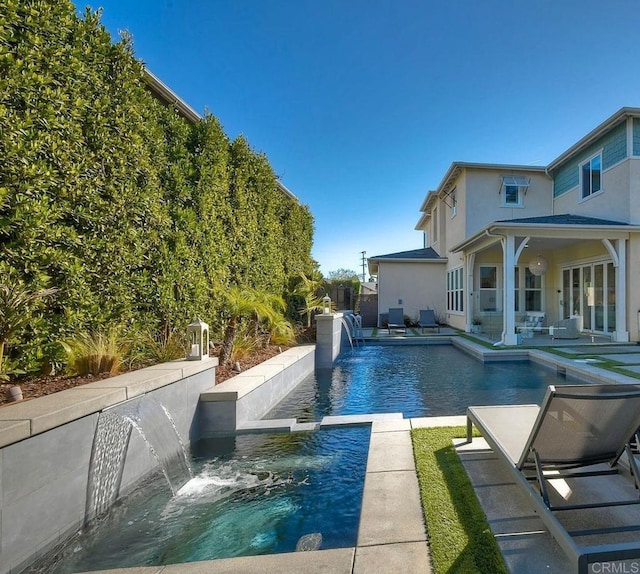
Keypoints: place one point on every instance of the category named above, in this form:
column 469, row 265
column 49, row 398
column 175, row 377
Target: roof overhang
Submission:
column 169, row 97
column 620, row 115
column 422, row 221
column 494, row 232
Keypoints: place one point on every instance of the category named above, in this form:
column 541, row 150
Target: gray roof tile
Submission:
column 564, row 219
column 426, row 253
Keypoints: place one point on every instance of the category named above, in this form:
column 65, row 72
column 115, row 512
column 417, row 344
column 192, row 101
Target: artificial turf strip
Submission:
column 460, row 540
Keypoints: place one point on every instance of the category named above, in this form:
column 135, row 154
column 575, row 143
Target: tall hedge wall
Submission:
column 137, row 216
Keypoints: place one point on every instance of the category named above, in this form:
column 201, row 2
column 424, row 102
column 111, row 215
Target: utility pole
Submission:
column 364, row 264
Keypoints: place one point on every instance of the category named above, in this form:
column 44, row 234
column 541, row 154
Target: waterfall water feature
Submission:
column 353, row 327
column 347, row 328
column 155, row 426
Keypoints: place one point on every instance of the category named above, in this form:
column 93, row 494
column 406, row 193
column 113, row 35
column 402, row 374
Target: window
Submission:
column 488, row 288
column 591, row 176
column 455, row 290
column 528, row 298
column 512, row 195
column 454, row 203
column 532, row 291
column 514, row 188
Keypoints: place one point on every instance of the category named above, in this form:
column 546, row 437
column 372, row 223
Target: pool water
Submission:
column 251, row 494
column 418, row 381
column 260, row 493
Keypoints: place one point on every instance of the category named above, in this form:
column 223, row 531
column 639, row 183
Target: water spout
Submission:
column 155, row 425
column 347, row 327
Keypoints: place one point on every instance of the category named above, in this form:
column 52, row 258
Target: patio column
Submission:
column 469, row 306
column 621, row 334
column 508, row 313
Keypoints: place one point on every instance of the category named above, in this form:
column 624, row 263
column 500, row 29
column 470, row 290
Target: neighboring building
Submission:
column 167, row 96
column 412, row 280
column 563, row 240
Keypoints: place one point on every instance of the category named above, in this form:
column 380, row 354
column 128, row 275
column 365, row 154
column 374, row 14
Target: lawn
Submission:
column 460, row 540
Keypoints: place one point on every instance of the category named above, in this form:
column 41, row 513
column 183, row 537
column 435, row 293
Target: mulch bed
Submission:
column 33, row 387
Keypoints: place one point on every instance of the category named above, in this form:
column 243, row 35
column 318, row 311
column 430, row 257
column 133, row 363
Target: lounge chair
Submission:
column 577, row 426
column 395, row 320
column 428, row 320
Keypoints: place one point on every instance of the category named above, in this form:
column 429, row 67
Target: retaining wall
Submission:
column 46, row 450
column 247, row 397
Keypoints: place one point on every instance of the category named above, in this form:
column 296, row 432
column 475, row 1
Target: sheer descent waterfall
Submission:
column 113, row 433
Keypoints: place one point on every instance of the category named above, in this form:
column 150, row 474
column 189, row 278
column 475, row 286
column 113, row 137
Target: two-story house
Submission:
column 554, row 242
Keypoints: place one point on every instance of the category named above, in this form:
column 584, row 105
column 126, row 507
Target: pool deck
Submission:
column 392, row 535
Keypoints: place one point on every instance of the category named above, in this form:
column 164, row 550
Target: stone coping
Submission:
column 244, row 383
column 24, row 419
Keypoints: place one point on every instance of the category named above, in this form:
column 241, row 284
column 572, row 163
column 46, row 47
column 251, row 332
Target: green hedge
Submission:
column 138, row 216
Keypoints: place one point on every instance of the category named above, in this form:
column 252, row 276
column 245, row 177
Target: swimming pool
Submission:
column 251, row 494
column 260, row 493
column 417, row 381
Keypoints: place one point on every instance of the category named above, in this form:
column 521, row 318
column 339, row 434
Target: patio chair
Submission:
column 577, row 426
column 395, row 320
column 428, row 320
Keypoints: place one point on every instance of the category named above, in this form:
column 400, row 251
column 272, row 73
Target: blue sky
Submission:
column 362, row 105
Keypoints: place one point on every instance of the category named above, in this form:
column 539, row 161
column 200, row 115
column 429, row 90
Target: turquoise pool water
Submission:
column 251, row 494
column 418, row 381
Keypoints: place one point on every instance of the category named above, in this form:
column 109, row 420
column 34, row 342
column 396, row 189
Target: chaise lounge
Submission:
column 395, row 320
column 585, row 427
column 428, row 320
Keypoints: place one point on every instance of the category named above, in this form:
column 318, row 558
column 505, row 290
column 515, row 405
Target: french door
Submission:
column 590, row 291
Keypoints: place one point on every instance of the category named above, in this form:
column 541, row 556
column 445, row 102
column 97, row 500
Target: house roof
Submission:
column 564, row 225
column 564, row 219
column 424, row 255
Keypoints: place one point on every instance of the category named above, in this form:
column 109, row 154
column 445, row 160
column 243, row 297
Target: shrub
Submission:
column 165, row 346
column 245, row 343
column 282, row 332
column 17, row 304
column 94, row 353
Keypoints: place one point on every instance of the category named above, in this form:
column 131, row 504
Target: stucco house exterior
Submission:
column 556, row 244
column 412, row 280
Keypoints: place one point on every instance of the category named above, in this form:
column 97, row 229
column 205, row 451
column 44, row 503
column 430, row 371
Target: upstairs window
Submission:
column 513, row 190
column 591, row 176
column 454, row 203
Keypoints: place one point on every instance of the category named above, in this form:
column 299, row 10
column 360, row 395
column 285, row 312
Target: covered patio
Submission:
column 543, row 276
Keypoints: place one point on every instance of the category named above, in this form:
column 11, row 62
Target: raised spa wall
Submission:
column 46, row 443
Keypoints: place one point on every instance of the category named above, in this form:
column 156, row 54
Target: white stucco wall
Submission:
column 412, row 286
column 484, row 202
column 613, row 202
column 634, row 190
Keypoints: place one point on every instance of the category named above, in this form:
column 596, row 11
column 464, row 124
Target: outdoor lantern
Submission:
column 538, row 265
column 326, row 305
column 198, row 336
